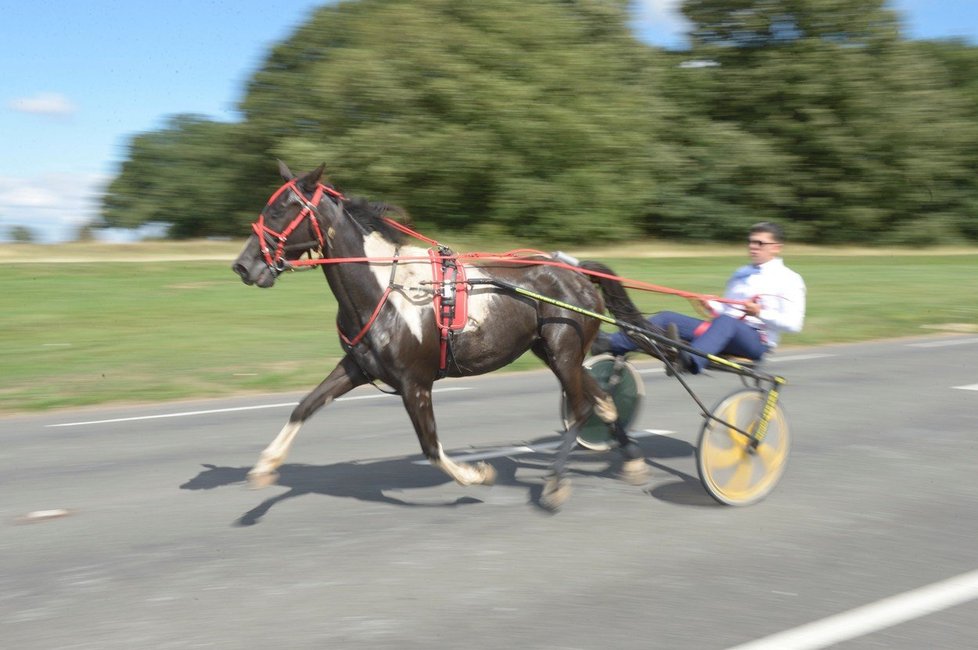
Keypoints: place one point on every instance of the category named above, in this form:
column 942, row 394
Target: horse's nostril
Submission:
column 242, row 272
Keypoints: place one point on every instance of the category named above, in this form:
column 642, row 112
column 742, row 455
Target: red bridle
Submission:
column 267, row 237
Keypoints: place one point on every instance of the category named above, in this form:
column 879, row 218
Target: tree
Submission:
column 859, row 119
column 735, row 28
column 959, row 62
column 193, row 174
column 20, row 234
column 548, row 120
column 537, row 116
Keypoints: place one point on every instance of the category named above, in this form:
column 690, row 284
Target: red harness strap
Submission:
column 383, row 300
column 701, row 329
column 451, row 297
column 356, row 339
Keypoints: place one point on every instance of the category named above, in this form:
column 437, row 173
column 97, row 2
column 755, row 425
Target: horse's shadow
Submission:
column 379, row 480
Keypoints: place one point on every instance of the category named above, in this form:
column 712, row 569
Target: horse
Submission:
column 386, row 319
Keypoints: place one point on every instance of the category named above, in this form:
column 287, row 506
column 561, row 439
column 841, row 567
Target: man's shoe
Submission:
column 680, row 361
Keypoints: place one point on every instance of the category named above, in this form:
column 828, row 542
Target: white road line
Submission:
column 875, row 616
column 500, row 452
column 230, row 410
column 968, row 387
column 652, row 371
column 942, row 344
column 798, row 357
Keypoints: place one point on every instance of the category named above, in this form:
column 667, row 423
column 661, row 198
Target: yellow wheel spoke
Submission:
column 770, row 455
column 723, row 457
column 740, row 481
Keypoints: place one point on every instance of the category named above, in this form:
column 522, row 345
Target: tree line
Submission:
column 550, row 120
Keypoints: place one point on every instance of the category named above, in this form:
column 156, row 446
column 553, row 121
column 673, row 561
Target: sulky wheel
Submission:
column 619, row 379
column 731, row 470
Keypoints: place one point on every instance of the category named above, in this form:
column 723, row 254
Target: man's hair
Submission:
column 773, row 229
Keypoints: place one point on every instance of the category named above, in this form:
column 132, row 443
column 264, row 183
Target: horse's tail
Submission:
column 620, row 305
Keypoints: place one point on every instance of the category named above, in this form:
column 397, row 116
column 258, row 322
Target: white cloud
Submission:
column 53, row 205
column 49, row 104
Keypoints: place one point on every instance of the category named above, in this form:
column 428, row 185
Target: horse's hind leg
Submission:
column 344, row 377
column 634, row 469
column 565, row 362
column 583, row 394
column 417, row 402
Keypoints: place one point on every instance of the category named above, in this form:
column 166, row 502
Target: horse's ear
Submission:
column 284, row 170
column 311, row 180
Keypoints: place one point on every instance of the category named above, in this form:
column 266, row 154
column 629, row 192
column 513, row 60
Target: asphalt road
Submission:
column 362, row 546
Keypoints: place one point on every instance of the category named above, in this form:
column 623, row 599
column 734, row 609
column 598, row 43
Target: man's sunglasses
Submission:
column 762, row 244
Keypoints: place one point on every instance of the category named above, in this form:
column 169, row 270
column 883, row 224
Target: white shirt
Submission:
column 777, row 289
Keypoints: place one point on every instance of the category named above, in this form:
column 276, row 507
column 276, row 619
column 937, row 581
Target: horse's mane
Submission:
column 370, row 215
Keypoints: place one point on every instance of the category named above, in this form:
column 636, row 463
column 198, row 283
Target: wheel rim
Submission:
column 730, row 470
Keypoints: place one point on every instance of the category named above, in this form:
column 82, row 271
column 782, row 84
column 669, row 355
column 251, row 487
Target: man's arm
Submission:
column 786, row 310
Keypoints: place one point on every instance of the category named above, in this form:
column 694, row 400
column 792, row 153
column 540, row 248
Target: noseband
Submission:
column 273, row 243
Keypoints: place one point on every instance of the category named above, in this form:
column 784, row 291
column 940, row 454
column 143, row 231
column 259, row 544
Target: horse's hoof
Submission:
column 555, row 492
column 488, row 473
column 259, row 480
column 634, row 471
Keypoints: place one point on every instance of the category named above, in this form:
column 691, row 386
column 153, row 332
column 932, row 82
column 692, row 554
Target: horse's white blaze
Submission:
column 409, row 274
column 414, row 304
column 479, row 304
column 463, row 474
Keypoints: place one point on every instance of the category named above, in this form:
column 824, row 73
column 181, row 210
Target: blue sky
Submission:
column 79, row 78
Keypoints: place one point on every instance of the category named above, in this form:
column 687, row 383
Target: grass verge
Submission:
column 81, row 333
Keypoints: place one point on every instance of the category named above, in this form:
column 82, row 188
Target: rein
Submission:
column 520, row 255
column 275, row 259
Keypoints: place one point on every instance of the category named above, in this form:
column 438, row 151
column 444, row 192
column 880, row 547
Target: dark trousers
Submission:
column 725, row 335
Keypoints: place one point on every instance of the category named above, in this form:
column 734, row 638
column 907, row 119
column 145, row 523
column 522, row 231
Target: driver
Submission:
column 772, row 301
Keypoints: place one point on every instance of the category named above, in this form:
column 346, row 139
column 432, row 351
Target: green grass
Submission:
column 83, row 333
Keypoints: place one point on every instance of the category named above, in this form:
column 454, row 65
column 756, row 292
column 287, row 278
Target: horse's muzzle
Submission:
column 251, row 267
column 257, row 272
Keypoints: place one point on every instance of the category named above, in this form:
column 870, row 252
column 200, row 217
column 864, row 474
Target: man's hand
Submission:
column 752, row 308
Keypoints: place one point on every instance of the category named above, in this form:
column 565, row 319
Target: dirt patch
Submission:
column 96, row 252
column 963, row 328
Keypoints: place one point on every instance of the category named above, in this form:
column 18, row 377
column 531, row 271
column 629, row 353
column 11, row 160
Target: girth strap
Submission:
column 450, row 299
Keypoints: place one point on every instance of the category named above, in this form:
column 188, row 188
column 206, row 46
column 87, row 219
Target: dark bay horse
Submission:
column 386, row 319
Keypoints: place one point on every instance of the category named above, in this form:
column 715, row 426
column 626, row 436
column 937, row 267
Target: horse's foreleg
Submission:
column 344, row 377
column 417, row 402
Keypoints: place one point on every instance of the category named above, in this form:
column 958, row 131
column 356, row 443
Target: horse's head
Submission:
column 295, row 221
